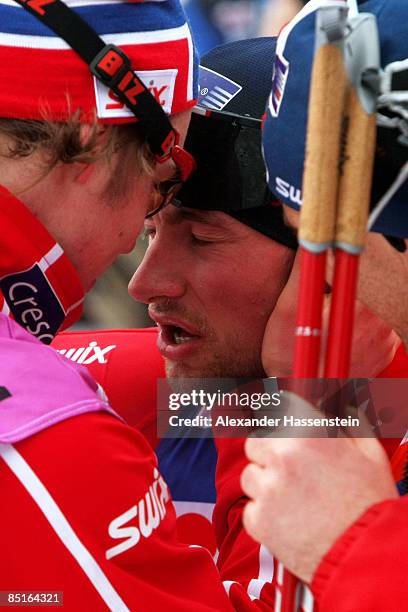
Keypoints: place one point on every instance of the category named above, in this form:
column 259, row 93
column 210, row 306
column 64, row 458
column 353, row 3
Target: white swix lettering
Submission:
column 295, row 195
column 99, row 354
column 150, row 510
column 86, row 355
column 86, row 352
column 282, row 187
column 164, row 490
column 287, row 190
column 159, row 500
column 77, row 354
column 117, row 531
column 149, row 516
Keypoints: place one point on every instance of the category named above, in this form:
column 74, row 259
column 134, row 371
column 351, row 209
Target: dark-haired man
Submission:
column 225, row 256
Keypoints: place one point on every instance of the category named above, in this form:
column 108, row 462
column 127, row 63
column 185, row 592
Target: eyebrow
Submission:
column 211, row 218
column 214, row 220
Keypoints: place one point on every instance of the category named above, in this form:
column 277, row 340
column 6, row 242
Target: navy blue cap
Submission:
column 225, row 139
column 284, row 133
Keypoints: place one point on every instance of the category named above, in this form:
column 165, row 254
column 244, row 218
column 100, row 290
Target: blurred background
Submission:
column 214, row 22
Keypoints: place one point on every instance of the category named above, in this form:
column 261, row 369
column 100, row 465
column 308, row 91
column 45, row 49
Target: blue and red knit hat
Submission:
column 42, row 76
column 284, row 133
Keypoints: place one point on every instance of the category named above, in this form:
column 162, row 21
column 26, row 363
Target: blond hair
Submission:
column 123, row 147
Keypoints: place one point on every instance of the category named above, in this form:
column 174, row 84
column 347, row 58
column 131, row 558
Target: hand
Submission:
column 306, row 492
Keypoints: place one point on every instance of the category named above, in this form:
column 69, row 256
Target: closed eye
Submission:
column 203, row 240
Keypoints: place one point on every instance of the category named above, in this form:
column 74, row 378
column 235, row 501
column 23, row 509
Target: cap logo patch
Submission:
column 160, row 83
column 279, row 79
column 215, row 90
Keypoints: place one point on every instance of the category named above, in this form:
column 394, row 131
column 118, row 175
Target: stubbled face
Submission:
column 211, row 283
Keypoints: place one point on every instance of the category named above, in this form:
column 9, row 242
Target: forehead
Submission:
column 173, row 214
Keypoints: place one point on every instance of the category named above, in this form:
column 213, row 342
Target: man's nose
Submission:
column 158, row 276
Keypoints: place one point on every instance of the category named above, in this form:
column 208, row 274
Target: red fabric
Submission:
column 129, row 374
column 129, row 379
column 96, row 469
column 366, row 568
column 240, row 557
column 344, row 587
column 359, row 572
column 28, row 96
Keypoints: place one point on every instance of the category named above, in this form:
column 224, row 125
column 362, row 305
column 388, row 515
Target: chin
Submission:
column 175, row 369
column 213, row 369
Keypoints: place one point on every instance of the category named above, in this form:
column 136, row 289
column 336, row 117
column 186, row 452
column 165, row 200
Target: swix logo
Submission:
column 148, row 513
column 87, row 355
column 160, row 83
column 38, row 5
column 33, row 302
column 288, row 191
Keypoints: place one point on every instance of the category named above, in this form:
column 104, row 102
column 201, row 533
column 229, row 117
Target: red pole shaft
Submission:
column 320, row 183
column 338, row 353
column 309, row 317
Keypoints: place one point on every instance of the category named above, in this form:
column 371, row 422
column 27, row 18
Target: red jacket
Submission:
column 241, row 561
column 359, row 574
column 127, row 364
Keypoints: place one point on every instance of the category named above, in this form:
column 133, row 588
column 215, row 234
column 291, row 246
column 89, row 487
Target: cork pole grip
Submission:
column 356, row 175
column 320, row 179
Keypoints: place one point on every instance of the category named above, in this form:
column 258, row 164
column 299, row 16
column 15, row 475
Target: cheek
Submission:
column 138, row 204
column 129, row 225
column 235, row 308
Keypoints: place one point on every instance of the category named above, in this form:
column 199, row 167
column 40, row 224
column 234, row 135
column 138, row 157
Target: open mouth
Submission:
column 173, row 334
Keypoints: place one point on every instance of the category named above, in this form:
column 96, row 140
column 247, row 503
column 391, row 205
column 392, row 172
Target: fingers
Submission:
column 250, row 520
column 268, row 451
column 278, row 454
column 252, row 479
column 259, row 450
column 260, row 485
